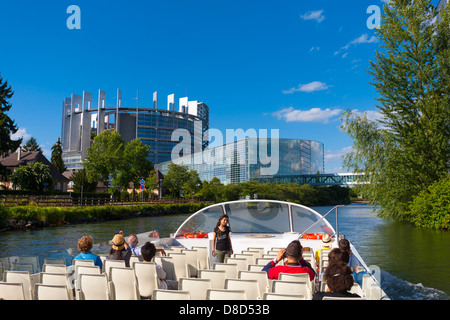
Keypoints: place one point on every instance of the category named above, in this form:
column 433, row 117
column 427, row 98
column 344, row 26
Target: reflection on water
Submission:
column 414, row 262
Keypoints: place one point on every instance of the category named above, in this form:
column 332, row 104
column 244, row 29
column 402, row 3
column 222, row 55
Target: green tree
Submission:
column 135, row 165
column 7, row 125
column 81, row 181
column 31, row 145
column 179, row 180
column 407, row 149
column 33, row 177
column 104, row 157
column 152, row 182
column 192, row 184
column 56, row 158
column 431, row 208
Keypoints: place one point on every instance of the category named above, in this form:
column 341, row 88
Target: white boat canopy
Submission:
column 257, row 216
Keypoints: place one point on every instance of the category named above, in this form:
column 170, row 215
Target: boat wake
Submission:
column 398, row 289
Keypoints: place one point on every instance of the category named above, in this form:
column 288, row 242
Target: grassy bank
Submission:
column 53, row 216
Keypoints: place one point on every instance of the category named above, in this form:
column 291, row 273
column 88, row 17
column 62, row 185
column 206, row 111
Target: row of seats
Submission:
column 190, row 268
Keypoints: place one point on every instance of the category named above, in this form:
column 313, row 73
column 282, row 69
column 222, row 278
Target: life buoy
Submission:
column 198, row 236
column 313, row 236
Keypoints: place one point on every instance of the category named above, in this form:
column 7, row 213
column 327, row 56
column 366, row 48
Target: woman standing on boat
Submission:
column 221, row 244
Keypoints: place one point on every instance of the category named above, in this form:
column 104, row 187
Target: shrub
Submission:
column 431, row 208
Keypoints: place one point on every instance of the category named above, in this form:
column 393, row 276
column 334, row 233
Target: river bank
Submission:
column 30, row 217
column 33, row 217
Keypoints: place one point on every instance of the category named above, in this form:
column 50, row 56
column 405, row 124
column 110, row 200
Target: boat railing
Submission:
column 323, row 217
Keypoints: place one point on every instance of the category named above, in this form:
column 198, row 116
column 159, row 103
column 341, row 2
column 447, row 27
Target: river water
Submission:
column 414, row 263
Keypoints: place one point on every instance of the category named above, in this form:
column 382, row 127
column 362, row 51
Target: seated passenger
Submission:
column 295, row 262
column 120, row 249
column 85, row 245
column 335, row 256
column 148, row 251
column 339, row 280
column 326, row 244
column 353, row 262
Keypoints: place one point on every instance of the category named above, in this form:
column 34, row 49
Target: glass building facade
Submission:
column 253, row 158
column 155, row 127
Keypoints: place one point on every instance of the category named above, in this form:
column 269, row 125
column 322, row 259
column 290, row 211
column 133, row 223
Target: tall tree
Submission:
column 104, row 157
column 135, row 165
column 56, row 158
column 179, row 180
column 7, row 125
column 81, row 182
column 31, row 145
column 407, row 149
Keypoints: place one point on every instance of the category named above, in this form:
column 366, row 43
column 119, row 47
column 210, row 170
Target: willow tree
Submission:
column 407, row 148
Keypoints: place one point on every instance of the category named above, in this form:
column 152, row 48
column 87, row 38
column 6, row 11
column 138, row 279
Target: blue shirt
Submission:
column 90, row 256
column 136, row 251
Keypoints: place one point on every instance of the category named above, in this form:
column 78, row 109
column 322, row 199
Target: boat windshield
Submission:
column 255, row 216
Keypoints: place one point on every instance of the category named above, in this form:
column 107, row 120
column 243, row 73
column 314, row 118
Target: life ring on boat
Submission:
column 312, row 236
column 198, row 236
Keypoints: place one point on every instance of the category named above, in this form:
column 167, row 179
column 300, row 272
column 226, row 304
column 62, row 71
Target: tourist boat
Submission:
column 266, row 225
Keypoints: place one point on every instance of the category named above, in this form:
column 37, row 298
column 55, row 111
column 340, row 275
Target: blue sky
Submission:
column 287, row 65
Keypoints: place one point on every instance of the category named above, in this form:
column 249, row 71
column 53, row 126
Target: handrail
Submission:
column 323, row 217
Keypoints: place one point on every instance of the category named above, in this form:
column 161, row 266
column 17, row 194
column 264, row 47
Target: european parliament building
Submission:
column 81, row 121
column 254, row 159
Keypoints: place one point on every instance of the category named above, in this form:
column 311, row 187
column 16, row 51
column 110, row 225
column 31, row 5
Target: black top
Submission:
column 222, row 241
column 320, row 295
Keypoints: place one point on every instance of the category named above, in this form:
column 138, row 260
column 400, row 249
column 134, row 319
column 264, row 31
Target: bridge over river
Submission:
column 324, row 179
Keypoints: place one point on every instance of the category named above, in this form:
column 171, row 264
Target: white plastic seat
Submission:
column 291, row 287
column 255, row 254
column 177, row 248
column 251, row 287
column 76, row 262
column 30, row 260
column 160, row 294
column 180, row 265
column 110, row 264
column 217, row 277
column 202, row 257
column 134, row 259
column 54, row 268
column 196, row 287
column 54, row 261
column 93, row 287
column 53, row 278
column 81, row 269
column 248, row 257
column 192, row 262
column 257, row 249
column 342, row 298
column 231, row 269
column 12, row 291
column 242, row 263
column 255, row 267
column 21, row 277
column 51, row 292
column 280, row 296
column 263, row 261
column 225, row 294
column 147, row 278
column 167, row 264
column 297, row 277
column 23, row 267
column 123, row 284
column 260, row 276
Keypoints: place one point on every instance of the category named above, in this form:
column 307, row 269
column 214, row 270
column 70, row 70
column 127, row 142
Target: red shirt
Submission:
column 302, row 267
